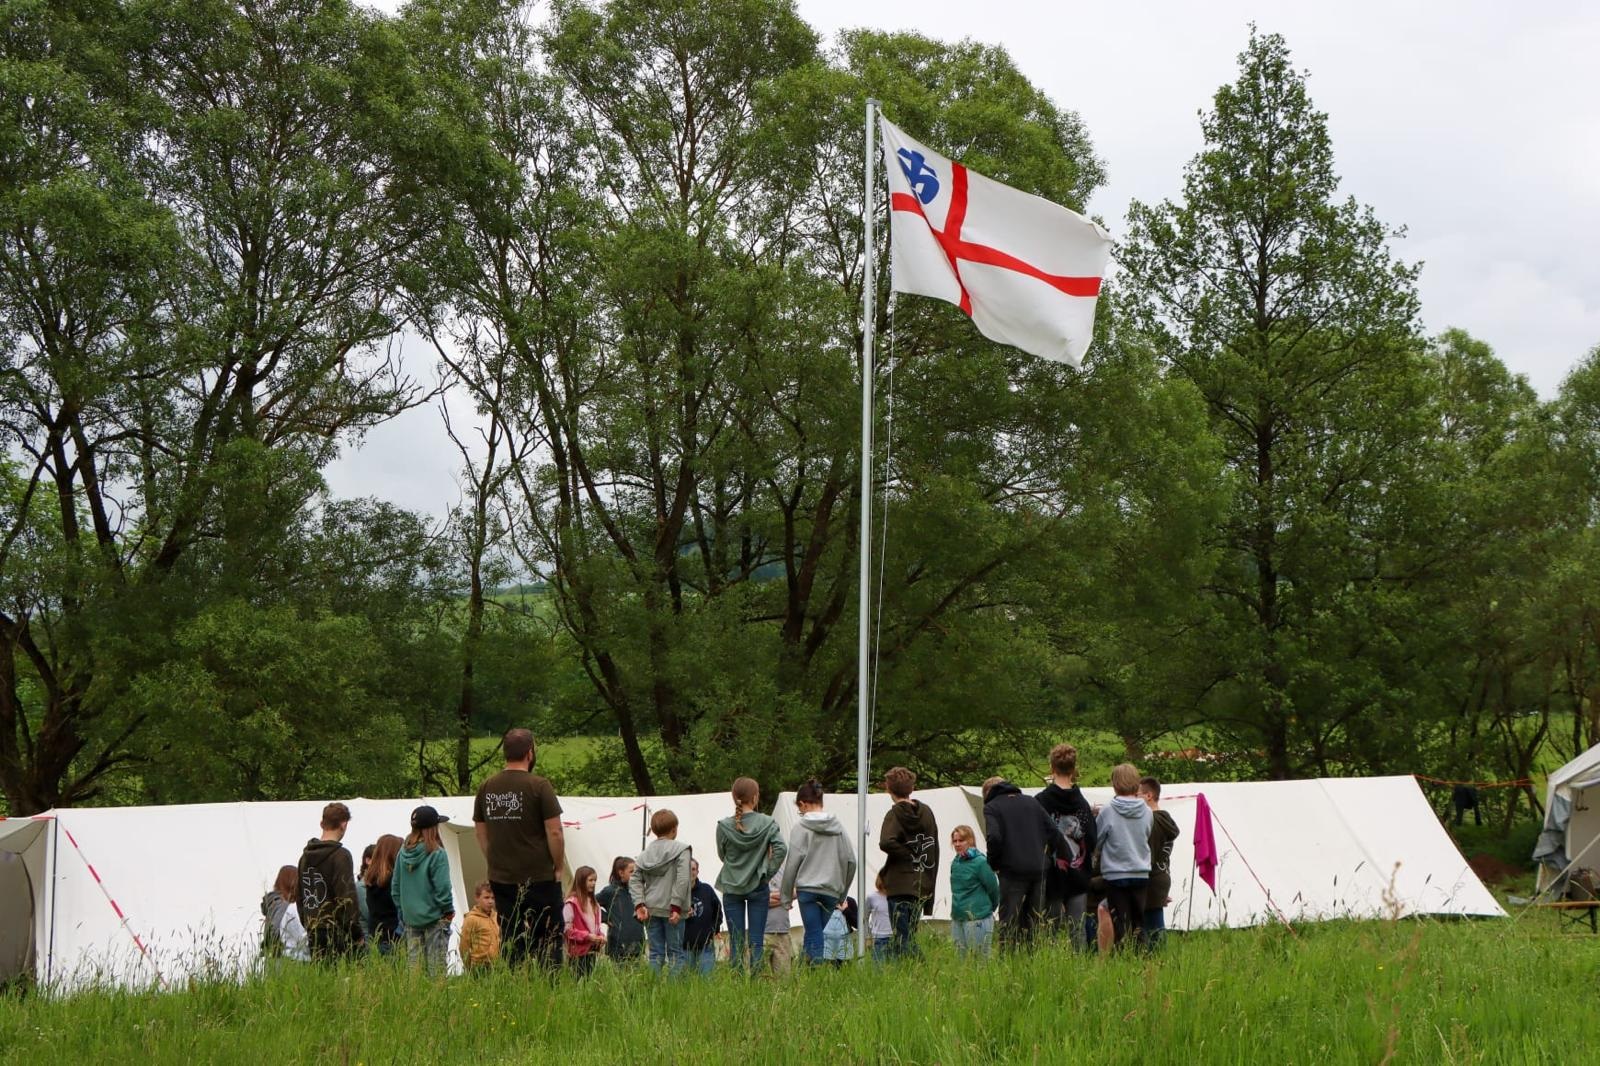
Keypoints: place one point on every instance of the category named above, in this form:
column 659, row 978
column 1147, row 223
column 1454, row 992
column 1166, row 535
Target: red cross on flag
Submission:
column 1026, row 270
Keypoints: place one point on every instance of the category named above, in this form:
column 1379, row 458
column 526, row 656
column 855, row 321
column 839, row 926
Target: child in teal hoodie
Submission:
column 421, row 889
column 974, row 892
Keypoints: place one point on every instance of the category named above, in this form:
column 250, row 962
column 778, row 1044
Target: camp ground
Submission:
column 138, row 896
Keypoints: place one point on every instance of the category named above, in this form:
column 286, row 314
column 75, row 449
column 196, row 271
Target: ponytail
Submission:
column 810, row 792
column 745, row 791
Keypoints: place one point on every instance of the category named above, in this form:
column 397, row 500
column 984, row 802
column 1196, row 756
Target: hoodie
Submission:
column 821, row 858
column 1020, row 834
column 910, row 841
column 1163, row 831
column 383, row 918
column 704, row 919
column 750, row 855
column 974, row 889
column 480, row 939
column 327, row 903
column 1073, row 816
column 1124, row 831
column 624, row 933
column 778, row 920
column 272, row 908
column 421, row 886
column 661, row 878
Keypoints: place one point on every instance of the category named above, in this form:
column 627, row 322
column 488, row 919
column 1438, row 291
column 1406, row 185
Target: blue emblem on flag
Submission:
column 924, row 181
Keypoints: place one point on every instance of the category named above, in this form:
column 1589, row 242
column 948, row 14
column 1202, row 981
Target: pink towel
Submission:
column 1205, row 844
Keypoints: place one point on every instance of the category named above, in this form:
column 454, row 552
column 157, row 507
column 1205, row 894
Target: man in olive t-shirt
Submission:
column 517, row 820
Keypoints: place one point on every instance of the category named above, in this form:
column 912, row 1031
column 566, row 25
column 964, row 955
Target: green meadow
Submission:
column 1411, row 991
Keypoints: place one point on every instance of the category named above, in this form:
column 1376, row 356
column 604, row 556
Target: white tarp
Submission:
column 189, row 879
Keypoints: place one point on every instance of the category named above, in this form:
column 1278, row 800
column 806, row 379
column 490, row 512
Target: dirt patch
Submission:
column 1494, row 870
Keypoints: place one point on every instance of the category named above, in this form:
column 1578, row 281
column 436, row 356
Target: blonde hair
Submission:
column 965, row 832
column 1125, row 779
column 745, row 790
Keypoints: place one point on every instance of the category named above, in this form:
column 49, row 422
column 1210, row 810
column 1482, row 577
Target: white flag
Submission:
column 1026, row 270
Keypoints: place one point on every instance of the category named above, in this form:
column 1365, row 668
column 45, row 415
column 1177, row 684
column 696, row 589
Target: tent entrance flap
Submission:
column 21, row 852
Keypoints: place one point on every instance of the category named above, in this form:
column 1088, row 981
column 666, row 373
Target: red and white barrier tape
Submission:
column 121, row 916
column 578, row 824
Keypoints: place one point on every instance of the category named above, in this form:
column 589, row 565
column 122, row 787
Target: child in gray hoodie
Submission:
column 1123, row 830
column 660, row 888
column 819, row 868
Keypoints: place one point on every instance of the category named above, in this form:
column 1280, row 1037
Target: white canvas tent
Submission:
column 1297, row 851
column 188, row 880
column 151, row 895
column 179, row 888
column 598, row 829
column 1571, row 835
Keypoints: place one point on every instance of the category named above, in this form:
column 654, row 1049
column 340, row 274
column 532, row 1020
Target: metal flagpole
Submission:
column 864, row 649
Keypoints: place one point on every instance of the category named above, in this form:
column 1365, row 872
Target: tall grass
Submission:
column 1334, row 993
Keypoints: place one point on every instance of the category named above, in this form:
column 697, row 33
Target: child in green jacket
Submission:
column 421, row 889
column 975, row 893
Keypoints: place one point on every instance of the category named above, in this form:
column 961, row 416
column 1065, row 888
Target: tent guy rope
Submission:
column 121, row 917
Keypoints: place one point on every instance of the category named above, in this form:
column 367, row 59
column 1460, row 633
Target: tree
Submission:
column 1285, row 308
column 202, row 224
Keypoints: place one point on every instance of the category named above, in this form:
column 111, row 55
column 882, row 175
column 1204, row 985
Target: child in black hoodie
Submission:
column 1066, row 890
column 327, row 903
column 1163, row 832
column 704, row 923
column 910, row 843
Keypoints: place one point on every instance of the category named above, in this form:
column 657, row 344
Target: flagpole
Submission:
column 864, row 643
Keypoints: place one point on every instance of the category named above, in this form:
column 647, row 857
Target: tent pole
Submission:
column 864, row 640
column 55, row 852
column 1194, row 868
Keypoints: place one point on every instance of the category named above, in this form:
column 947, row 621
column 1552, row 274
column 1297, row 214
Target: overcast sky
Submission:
column 1474, row 126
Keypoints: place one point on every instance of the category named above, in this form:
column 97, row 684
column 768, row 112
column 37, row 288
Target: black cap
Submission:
column 426, row 817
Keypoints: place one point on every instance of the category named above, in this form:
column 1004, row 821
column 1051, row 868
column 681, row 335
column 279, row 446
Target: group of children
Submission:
column 1101, row 875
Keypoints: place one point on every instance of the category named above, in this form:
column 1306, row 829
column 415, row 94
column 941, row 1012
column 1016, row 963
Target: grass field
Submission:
column 1452, row 992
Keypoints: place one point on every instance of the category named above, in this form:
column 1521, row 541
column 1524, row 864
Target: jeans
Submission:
column 973, row 937
column 880, row 949
column 428, row 946
column 815, row 909
column 904, row 912
column 530, row 922
column 703, row 960
column 746, row 911
column 1021, row 907
column 1155, row 926
column 666, row 945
